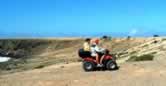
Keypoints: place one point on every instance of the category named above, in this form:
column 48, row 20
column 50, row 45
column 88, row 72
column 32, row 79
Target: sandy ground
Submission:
column 151, row 73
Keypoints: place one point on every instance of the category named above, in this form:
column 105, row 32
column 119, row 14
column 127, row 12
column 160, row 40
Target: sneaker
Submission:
column 99, row 65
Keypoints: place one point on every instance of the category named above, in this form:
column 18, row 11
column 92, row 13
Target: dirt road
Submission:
column 130, row 74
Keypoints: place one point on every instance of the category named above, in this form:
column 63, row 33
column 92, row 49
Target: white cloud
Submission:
column 133, row 32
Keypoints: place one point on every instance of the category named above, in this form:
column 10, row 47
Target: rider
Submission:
column 86, row 45
column 96, row 51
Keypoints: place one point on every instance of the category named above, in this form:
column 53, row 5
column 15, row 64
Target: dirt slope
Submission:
column 130, row 74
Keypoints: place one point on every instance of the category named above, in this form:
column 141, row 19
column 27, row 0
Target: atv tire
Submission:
column 111, row 65
column 88, row 66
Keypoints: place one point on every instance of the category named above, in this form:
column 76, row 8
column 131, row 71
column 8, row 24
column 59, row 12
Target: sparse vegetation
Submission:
column 146, row 45
column 133, row 52
column 39, row 67
column 128, row 37
column 155, row 41
column 155, row 35
column 164, row 39
column 146, row 57
column 153, row 53
column 122, row 53
column 105, row 37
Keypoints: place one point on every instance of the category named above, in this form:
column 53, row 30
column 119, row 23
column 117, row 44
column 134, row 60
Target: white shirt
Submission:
column 95, row 49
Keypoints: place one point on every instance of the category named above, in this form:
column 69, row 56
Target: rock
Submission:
column 16, row 54
column 2, row 52
column 76, row 81
column 62, row 66
column 19, row 53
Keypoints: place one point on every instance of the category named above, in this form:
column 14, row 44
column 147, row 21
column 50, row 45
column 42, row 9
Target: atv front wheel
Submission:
column 111, row 65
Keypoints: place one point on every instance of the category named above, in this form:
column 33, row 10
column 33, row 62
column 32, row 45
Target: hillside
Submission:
column 41, row 53
column 37, row 53
column 51, row 66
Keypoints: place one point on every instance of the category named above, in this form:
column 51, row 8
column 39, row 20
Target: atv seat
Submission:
column 83, row 53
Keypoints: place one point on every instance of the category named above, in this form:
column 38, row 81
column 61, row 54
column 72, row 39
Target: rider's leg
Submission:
column 102, row 59
column 97, row 58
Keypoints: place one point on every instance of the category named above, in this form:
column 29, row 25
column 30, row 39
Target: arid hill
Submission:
column 30, row 54
column 56, row 63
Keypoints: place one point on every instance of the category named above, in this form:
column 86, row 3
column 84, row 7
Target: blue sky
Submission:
column 51, row 18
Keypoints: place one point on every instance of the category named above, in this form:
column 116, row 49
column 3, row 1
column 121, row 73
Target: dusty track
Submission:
column 130, row 74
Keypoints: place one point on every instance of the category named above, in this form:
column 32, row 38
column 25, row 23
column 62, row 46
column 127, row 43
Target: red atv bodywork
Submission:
column 92, row 59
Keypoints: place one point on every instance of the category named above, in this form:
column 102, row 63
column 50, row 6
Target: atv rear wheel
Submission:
column 88, row 66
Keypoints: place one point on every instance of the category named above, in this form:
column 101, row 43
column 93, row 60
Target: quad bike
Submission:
column 90, row 64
